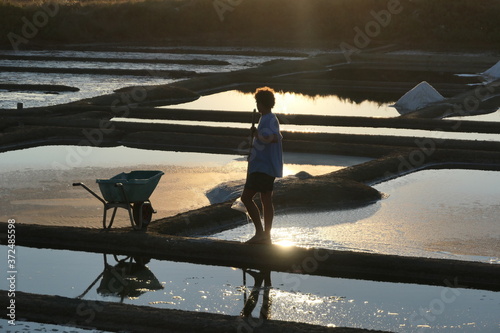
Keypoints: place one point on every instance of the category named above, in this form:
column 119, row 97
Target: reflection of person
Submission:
column 251, row 302
column 265, row 163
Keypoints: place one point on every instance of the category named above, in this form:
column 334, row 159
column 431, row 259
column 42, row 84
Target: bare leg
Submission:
column 268, row 211
column 252, row 209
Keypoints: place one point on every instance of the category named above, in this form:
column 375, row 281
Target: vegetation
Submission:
column 326, row 23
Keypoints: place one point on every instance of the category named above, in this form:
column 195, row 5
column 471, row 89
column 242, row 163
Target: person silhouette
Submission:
column 265, row 163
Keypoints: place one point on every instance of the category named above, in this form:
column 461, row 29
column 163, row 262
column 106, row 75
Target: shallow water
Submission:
column 67, row 157
column 494, row 117
column 96, row 85
column 234, row 62
column 89, row 85
column 290, row 104
column 431, row 213
column 302, row 298
column 36, row 182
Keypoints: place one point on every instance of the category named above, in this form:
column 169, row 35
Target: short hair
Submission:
column 265, row 96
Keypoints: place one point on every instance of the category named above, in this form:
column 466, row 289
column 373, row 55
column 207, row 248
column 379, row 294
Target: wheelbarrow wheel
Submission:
column 143, row 213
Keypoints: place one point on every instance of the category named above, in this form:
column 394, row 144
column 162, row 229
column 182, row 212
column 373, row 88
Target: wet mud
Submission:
column 333, row 263
column 48, row 88
column 172, row 74
column 116, row 60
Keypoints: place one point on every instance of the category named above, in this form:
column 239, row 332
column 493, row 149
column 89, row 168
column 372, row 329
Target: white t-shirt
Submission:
column 267, row 157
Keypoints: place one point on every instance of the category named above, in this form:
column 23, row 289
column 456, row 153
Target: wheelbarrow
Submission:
column 128, row 278
column 130, row 191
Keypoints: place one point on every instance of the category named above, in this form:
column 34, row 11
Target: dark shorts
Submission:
column 259, row 182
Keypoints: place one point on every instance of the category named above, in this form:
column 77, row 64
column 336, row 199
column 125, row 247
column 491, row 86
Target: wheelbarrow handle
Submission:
column 91, row 192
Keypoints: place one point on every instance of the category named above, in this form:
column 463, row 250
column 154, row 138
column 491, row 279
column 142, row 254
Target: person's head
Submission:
column 264, row 97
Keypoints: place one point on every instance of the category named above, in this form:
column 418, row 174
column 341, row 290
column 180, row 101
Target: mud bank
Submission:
column 315, row 193
column 116, row 60
column 48, row 88
column 343, row 189
column 173, row 74
column 115, row 316
column 332, row 263
column 363, row 74
column 95, row 128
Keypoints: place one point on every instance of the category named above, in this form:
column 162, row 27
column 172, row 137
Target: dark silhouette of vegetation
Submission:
column 324, row 23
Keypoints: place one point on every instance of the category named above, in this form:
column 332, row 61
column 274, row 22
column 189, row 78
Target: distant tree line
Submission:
column 326, row 23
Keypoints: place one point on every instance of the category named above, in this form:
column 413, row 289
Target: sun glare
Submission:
column 284, row 243
column 283, row 100
column 287, row 171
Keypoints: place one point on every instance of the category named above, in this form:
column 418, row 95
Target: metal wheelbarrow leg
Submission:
column 137, row 224
column 127, row 205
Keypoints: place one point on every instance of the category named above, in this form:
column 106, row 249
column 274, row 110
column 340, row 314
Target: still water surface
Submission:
column 96, row 85
column 289, row 104
column 448, row 213
column 303, row 298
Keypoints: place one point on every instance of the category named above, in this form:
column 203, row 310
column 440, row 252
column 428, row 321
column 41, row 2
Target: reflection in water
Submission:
column 349, row 96
column 291, row 103
column 96, row 85
column 446, row 213
column 128, row 278
column 250, row 302
column 303, row 298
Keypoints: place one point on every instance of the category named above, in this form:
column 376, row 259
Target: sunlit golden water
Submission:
column 432, row 213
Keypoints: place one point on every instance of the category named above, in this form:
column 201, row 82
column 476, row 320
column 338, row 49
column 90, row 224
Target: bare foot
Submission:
column 259, row 239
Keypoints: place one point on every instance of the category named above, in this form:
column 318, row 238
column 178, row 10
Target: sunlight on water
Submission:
column 431, row 213
column 96, row 85
column 290, row 103
column 274, row 295
column 67, row 157
column 36, row 183
column 89, row 85
column 494, row 116
column 285, row 243
column 435, row 135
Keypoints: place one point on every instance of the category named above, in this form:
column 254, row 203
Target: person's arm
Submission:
column 268, row 131
column 271, row 138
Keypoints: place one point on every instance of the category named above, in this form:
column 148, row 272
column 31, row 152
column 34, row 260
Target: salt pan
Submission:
column 418, row 97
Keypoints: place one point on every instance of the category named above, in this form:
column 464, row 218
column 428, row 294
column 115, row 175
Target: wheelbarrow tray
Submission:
column 137, row 185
